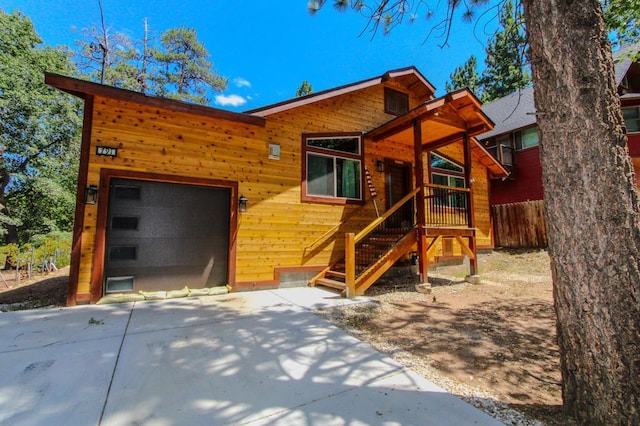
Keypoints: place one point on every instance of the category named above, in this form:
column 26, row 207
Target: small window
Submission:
column 439, row 162
column 396, row 103
column 122, row 253
column 127, row 192
column 119, row 284
column 526, row 138
column 631, row 119
column 128, row 223
column 333, row 168
column 347, row 144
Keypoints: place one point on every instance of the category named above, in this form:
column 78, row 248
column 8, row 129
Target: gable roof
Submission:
column 511, row 112
column 84, row 89
column 517, row 110
column 443, row 120
column 410, row 77
column 623, row 59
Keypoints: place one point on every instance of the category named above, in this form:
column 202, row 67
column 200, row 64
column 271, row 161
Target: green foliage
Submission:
column 465, row 75
column 55, row 246
column 507, row 57
column 177, row 68
column 116, row 53
column 39, row 133
column 622, row 18
column 184, row 72
column 304, row 89
column 506, row 62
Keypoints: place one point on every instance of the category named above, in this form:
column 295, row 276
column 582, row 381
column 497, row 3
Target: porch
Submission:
column 389, row 238
column 436, row 211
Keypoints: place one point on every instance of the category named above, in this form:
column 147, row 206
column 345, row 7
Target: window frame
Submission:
column 637, row 108
column 398, row 97
column 334, row 154
column 447, row 173
column 518, row 138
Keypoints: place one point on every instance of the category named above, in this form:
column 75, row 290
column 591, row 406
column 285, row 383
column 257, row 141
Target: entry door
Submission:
column 398, row 184
column 164, row 236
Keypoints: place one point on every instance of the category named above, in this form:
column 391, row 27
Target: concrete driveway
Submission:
column 242, row 358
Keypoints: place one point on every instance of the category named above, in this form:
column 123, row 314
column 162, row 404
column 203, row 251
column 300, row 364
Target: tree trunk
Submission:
column 591, row 210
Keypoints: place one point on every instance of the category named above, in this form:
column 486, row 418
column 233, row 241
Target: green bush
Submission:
column 54, row 246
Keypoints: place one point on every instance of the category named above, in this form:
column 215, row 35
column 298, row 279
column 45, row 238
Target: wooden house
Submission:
column 332, row 188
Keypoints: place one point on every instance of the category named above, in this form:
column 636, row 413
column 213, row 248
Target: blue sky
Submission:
column 267, row 48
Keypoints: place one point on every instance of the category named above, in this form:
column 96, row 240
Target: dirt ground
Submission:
column 496, row 339
column 493, row 343
column 42, row 291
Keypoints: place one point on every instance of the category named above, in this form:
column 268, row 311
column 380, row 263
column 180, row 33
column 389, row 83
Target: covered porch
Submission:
column 435, row 211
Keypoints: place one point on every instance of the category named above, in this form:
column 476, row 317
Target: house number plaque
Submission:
column 107, row 151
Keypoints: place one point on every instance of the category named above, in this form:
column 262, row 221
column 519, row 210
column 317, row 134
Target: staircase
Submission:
column 371, row 252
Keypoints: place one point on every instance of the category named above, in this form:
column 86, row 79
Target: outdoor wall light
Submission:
column 242, row 204
column 91, row 194
column 380, row 166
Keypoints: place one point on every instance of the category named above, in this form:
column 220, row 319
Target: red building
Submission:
column 514, row 140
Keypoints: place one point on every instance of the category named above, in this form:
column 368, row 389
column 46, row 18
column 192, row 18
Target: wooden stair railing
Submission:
column 372, row 251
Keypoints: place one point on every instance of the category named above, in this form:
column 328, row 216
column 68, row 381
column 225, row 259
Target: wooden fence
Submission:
column 520, row 225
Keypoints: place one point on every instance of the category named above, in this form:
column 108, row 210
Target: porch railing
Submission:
column 447, row 205
column 366, row 247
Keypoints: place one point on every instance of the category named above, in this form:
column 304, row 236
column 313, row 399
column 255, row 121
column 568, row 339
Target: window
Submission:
column 447, row 173
column 333, row 168
column 632, row 119
column 118, row 284
column 526, row 138
column 439, row 162
column 396, row 103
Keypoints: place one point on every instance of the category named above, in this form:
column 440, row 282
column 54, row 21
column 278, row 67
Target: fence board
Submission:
column 520, row 225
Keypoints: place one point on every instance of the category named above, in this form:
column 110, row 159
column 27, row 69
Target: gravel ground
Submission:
column 492, row 344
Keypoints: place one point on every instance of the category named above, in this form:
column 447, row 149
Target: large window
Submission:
column 333, row 168
column 632, row 119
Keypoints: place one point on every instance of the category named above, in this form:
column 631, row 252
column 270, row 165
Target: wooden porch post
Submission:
column 423, row 261
column 473, row 263
column 350, row 264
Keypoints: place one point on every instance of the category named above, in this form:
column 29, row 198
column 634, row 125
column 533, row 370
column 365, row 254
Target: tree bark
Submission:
column 591, row 210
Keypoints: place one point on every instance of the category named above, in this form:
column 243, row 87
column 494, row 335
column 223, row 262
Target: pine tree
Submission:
column 184, row 70
column 466, row 75
column 304, row 89
column 506, row 70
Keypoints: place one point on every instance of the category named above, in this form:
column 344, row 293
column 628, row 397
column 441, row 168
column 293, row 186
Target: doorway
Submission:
column 397, row 185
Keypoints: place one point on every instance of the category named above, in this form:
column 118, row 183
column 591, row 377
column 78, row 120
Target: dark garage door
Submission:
column 164, row 236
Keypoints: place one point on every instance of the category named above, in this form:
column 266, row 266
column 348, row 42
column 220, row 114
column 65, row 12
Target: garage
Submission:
column 165, row 236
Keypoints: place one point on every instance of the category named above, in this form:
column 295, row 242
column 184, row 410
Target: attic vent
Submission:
column 396, row 103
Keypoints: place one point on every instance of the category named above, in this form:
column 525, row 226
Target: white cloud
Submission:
column 230, row 100
column 241, row 82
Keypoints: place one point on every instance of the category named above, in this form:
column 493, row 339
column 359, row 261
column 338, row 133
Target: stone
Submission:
column 473, row 279
column 423, row 288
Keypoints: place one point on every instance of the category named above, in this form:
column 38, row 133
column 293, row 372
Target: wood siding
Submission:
column 279, row 231
column 527, row 186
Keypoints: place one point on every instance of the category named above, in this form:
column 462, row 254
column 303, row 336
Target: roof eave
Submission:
column 83, row 89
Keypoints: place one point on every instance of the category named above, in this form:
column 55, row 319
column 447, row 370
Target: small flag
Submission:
column 372, row 190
